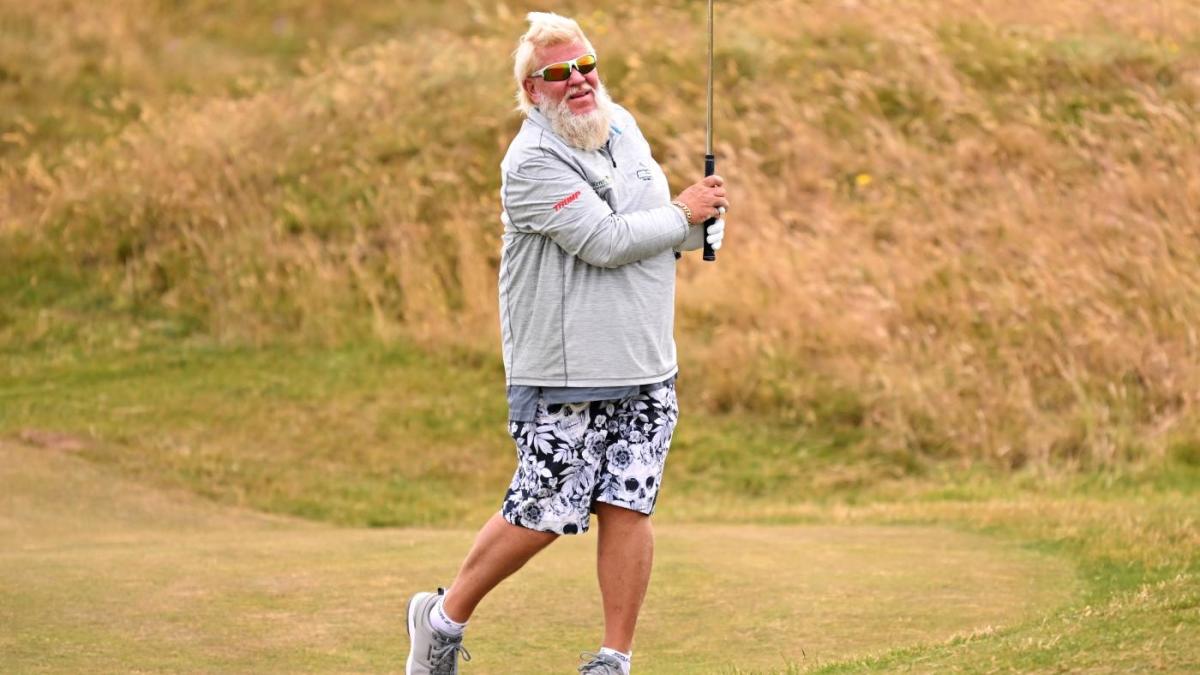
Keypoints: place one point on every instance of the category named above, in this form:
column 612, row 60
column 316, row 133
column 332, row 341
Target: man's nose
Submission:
column 576, row 78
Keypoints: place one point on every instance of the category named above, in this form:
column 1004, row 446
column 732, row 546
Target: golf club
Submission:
column 710, row 161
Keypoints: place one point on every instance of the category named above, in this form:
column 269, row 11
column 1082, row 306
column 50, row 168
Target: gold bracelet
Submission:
column 687, row 213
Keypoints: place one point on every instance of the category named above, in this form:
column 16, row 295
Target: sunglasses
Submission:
column 557, row 72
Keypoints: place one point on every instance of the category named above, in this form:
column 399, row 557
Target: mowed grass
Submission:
column 363, row 437
column 100, row 574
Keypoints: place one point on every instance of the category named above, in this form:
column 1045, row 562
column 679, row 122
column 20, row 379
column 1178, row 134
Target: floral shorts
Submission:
column 576, row 454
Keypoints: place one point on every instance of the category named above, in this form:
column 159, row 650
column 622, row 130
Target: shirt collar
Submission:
column 537, row 117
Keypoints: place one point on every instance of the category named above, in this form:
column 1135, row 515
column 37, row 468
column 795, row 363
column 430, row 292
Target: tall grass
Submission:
column 75, row 70
column 970, row 229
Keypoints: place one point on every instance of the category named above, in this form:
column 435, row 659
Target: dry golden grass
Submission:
column 971, row 228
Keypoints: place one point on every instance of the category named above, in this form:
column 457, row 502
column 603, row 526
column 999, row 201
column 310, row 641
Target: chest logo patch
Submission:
column 567, row 201
column 644, row 174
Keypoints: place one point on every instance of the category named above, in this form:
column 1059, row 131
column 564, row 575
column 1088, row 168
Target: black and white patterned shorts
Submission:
column 576, row 454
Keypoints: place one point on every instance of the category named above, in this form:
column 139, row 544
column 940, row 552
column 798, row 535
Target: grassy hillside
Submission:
column 966, row 231
column 79, row 71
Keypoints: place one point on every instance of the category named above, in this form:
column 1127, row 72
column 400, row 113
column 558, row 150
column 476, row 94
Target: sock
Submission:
column 443, row 623
column 621, row 656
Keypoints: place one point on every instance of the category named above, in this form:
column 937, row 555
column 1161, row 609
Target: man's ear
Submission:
column 529, row 91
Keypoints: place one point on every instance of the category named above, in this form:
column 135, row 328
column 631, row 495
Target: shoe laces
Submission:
column 444, row 653
column 600, row 664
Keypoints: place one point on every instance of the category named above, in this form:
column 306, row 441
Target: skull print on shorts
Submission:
column 574, row 455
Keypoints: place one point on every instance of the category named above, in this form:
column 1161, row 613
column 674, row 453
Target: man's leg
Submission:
column 500, row 549
column 624, row 556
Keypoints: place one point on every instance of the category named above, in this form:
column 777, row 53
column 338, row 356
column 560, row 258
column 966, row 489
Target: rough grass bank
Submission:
column 967, row 231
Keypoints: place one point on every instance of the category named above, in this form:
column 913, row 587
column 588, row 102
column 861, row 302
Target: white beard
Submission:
column 588, row 131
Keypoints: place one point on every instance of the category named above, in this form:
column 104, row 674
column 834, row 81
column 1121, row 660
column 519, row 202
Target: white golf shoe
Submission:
column 432, row 652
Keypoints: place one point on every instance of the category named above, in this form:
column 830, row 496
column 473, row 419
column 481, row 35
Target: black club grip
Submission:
column 710, row 167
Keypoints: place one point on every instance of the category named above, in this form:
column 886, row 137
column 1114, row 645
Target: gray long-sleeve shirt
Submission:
column 587, row 273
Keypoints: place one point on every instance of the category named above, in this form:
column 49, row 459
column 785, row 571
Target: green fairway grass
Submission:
column 99, row 574
column 850, row 563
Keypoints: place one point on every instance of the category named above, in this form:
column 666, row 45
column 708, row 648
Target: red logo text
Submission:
column 566, row 202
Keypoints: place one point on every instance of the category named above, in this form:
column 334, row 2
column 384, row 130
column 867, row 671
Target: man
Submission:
column 587, row 293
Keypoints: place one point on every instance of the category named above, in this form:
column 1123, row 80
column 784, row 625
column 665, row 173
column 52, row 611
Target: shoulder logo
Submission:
column 567, row 201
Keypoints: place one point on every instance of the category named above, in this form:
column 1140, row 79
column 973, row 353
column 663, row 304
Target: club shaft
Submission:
column 710, row 160
column 708, row 145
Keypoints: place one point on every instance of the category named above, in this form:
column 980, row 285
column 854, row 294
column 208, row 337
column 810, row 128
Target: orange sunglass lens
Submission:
column 586, row 64
column 557, row 72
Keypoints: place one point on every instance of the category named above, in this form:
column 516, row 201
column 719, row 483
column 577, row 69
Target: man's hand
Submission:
column 704, row 198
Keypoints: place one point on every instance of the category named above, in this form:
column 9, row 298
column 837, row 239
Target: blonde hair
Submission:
column 546, row 29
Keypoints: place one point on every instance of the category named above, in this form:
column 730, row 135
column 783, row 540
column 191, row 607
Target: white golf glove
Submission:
column 695, row 235
column 716, row 233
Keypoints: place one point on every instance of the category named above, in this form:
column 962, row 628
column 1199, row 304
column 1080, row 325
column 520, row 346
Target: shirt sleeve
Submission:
column 547, row 196
column 694, row 239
